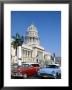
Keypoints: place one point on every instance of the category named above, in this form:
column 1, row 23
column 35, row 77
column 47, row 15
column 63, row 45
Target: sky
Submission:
column 48, row 24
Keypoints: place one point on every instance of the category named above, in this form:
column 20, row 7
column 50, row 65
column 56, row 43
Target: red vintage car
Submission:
column 27, row 69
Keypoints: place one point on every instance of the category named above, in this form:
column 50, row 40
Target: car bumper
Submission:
column 17, row 75
column 44, row 75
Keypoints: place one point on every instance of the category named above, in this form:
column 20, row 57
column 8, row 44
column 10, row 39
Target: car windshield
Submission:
column 52, row 66
column 35, row 65
column 14, row 65
column 25, row 65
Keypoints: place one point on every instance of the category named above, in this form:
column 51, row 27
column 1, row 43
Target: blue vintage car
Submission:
column 50, row 71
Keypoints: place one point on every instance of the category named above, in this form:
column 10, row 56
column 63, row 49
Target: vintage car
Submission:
column 14, row 68
column 50, row 71
column 26, row 70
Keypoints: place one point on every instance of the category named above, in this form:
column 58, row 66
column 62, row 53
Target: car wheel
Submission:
column 54, row 74
column 58, row 76
column 25, row 75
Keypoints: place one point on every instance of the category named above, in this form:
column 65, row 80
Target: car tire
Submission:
column 54, row 74
column 25, row 76
column 57, row 75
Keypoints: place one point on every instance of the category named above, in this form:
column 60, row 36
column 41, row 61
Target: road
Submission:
column 33, row 77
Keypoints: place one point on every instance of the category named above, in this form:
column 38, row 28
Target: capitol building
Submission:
column 30, row 50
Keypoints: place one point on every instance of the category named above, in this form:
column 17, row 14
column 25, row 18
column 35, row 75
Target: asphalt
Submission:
column 34, row 77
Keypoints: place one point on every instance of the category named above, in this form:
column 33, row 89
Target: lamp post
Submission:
column 37, row 58
column 54, row 57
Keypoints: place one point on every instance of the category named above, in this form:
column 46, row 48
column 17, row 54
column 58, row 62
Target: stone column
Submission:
column 27, row 53
column 36, row 40
column 24, row 53
column 30, row 54
column 19, row 54
column 32, row 40
column 29, row 40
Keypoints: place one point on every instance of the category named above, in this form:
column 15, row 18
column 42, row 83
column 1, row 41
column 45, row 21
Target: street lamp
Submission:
column 37, row 58
column 54, row 57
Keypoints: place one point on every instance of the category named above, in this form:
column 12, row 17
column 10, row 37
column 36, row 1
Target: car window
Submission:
column 35, row 65
column 14, row 65
column 25, row 65
column 52, row 66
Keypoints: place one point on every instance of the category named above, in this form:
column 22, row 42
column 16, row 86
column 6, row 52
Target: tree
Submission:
column 18, row 40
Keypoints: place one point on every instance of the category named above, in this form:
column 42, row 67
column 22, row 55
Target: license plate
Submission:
column 45, row 76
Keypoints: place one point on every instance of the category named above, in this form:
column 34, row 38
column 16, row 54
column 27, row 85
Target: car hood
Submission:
column 48, row 70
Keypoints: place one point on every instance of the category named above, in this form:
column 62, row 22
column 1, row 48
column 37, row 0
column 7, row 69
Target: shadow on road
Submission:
column 34, row 77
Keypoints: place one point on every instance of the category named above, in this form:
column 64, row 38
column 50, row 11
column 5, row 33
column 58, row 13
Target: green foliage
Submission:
column 18, row 40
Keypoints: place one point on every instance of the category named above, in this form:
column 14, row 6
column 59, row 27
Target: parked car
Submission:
column 26, row 70
column 13, row 68
column 50, row 71
column 15, row 65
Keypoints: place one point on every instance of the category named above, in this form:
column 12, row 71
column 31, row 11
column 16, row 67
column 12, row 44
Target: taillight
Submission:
column 19, row 70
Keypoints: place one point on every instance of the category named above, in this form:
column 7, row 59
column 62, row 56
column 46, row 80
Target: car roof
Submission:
column 55, row 64
column 30, row 63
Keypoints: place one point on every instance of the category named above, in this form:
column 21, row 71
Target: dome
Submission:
column 32, row 31
column 32, row 27
column 32, row 36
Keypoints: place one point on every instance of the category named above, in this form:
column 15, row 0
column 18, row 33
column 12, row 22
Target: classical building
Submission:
column 31, row 50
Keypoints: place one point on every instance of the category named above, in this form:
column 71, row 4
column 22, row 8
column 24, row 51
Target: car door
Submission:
column 31, row 70
column 35, row 68
column 25, row 69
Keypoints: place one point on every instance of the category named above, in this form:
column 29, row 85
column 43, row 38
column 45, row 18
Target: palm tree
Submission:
column 18, row 40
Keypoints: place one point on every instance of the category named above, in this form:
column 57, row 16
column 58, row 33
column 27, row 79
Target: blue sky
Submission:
column 48, row 24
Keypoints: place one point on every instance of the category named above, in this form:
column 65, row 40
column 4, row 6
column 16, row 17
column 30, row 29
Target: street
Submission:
column 34, row 77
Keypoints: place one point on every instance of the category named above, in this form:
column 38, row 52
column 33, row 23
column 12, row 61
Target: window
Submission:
column 52, row 66
column 25, row 65
column 35, row 65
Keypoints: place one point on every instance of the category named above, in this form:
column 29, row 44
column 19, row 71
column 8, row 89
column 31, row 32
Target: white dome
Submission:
column 32, row 36
column 32, row 28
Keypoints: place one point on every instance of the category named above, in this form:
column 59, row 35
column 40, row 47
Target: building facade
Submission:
column 31, row 50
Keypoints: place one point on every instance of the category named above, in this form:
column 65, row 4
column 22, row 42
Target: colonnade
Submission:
column 27, row 53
